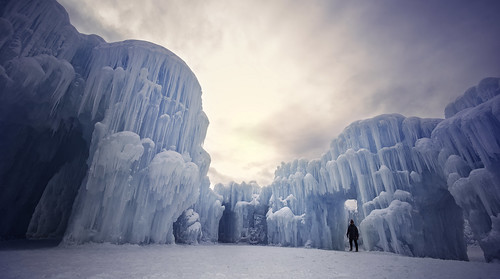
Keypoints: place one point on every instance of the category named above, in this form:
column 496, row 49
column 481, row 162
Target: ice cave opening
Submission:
column 50, row 168
column 351, row 205
column 227, row 225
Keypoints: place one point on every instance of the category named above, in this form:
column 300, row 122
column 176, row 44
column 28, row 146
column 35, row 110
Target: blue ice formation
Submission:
column 103, row 142
column 414, row 181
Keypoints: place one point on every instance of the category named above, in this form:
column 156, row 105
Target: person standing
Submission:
column 353, row 234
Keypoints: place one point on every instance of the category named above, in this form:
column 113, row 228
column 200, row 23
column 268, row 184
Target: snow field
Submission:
column 226, row 261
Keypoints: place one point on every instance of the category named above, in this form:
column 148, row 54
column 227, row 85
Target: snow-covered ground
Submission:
column 225, row 261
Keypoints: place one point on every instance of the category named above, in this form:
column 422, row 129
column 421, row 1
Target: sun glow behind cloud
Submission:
column 280, row 79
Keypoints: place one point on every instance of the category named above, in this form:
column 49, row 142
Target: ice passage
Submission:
column 103, row 142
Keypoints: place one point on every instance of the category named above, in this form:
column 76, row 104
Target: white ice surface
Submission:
column 226, row 261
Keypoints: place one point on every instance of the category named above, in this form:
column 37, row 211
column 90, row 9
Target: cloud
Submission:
column 218, row 177
column 424, row 53
column 83, row 17
column 282, row 78
column 295, row 132
column 409, row 60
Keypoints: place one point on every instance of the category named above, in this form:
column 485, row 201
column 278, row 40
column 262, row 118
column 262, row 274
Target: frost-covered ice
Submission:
column 414, row 181
column 104, row 141
column 187, row 229
column 227, row 261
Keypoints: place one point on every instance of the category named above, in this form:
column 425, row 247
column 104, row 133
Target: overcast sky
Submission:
column 281, row 79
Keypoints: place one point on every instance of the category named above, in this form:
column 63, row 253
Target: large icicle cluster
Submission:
column 154, row 171
column 467, row 144
column 110, row 134
column 414, row 180
column 373, row 161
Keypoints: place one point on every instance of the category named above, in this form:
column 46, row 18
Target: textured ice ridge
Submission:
column 104, row 140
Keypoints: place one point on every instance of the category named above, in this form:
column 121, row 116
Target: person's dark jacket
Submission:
column 352, row 232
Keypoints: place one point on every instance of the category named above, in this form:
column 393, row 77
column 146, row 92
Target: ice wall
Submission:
column 147, row 91
column 398, row 192
column 104, row 140
column 467, row 144
column 414, row 181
